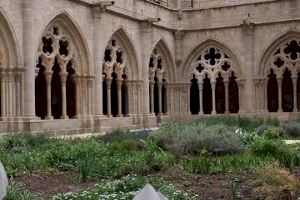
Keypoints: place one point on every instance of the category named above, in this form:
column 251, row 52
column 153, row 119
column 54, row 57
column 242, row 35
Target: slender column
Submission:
column 279, row 94
column 3, row 95
column 89, row 85
column 200, row 86
column 29, row 57
column 160, row 98
column 98, row 53
column 295, row 79
column 63, row 80
column 119, row 88
column 152, row 96
column 10, row 95
column 76, row 79
column 265, row 82
column 213, row 91
column 108, row 86
column 18, row 78
column 226, row 84
column 48, row 77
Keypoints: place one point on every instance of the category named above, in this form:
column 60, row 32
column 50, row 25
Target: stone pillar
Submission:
column 63, row 80
column 3, row 95
column 119, row 88
column 279, row 94
column 10, row 95
column 77, row 95
column 98, row 60
column 265, row 82
column 200, row 86
column 160, row 98
column 152, row 96
column 108, row 86
column 295, row 79
column 48, row 77
column 18, row 79
column 226, row 85
column 89, row 85
column 213, row 91
column 146, row 43
column 29, row 57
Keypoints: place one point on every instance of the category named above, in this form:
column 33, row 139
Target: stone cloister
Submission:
column 83, row 66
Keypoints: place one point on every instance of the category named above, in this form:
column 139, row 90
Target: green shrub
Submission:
column 17, row 192
column 191, row 139
column 286, row 155
column 118, row 135
column 292, row 128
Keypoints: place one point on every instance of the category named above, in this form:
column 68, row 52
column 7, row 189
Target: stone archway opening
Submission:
column 115, row 95
column 57, row 81
column 272, row 90
column 287, row 92
column 220, row 95
column 207, row 96
column 218, row 88
column 56, row 93
column 158, row 84
column 233, row 94
column 194, row 97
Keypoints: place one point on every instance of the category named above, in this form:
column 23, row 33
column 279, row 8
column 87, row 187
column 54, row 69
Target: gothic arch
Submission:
column 279, row 73
column 215, row 70
column 194, row 54
column 164, row 50
column 63, row 71
column 9, row 52
column 127, row 44
column 73, row 31
column 273, row 47
column 10, row 71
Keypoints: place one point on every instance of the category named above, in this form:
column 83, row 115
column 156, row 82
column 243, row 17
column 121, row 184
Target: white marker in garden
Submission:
column 149, row 193
column 3, row 182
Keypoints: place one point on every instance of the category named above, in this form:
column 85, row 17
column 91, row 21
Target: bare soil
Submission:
column 206, row 186
column 46, row 185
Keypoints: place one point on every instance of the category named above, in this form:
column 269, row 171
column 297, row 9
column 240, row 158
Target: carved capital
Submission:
column 108, row 82
column 63, row 77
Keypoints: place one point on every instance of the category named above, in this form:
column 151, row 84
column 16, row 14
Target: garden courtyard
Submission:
column 221, row 157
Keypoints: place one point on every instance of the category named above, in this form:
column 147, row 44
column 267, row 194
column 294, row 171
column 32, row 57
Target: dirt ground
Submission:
column 206, row 186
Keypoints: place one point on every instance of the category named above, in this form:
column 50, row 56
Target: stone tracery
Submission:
column 56, row 64
column 114, row 72
column 282, row 70
column 157, row 83
column 214, row 71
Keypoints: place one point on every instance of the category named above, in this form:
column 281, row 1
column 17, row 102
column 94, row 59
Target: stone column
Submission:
column 10, row 99
column 146, row 43
column 89, row 85
column 18, row 79
column 63, row 80
column 98, row 60
column 3, row 95
column 200, row 86
column 295, row 79
column 265, row 82
column 108, row 86
column 226, row 85
column 279, row 94
column 213, row 91
column 48, row 77
column 76, row 79
column 29, row 57
column 160, row 98
column 119, row 88
column 152, row 96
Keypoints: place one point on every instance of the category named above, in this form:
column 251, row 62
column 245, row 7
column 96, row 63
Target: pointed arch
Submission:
column 127, row 44
column 194, row 54
column 272, row 47
column 10, row 55
column 71, row 28
column 163, row 48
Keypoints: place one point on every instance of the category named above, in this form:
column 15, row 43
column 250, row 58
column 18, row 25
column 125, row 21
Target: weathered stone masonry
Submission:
column 71, row 66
